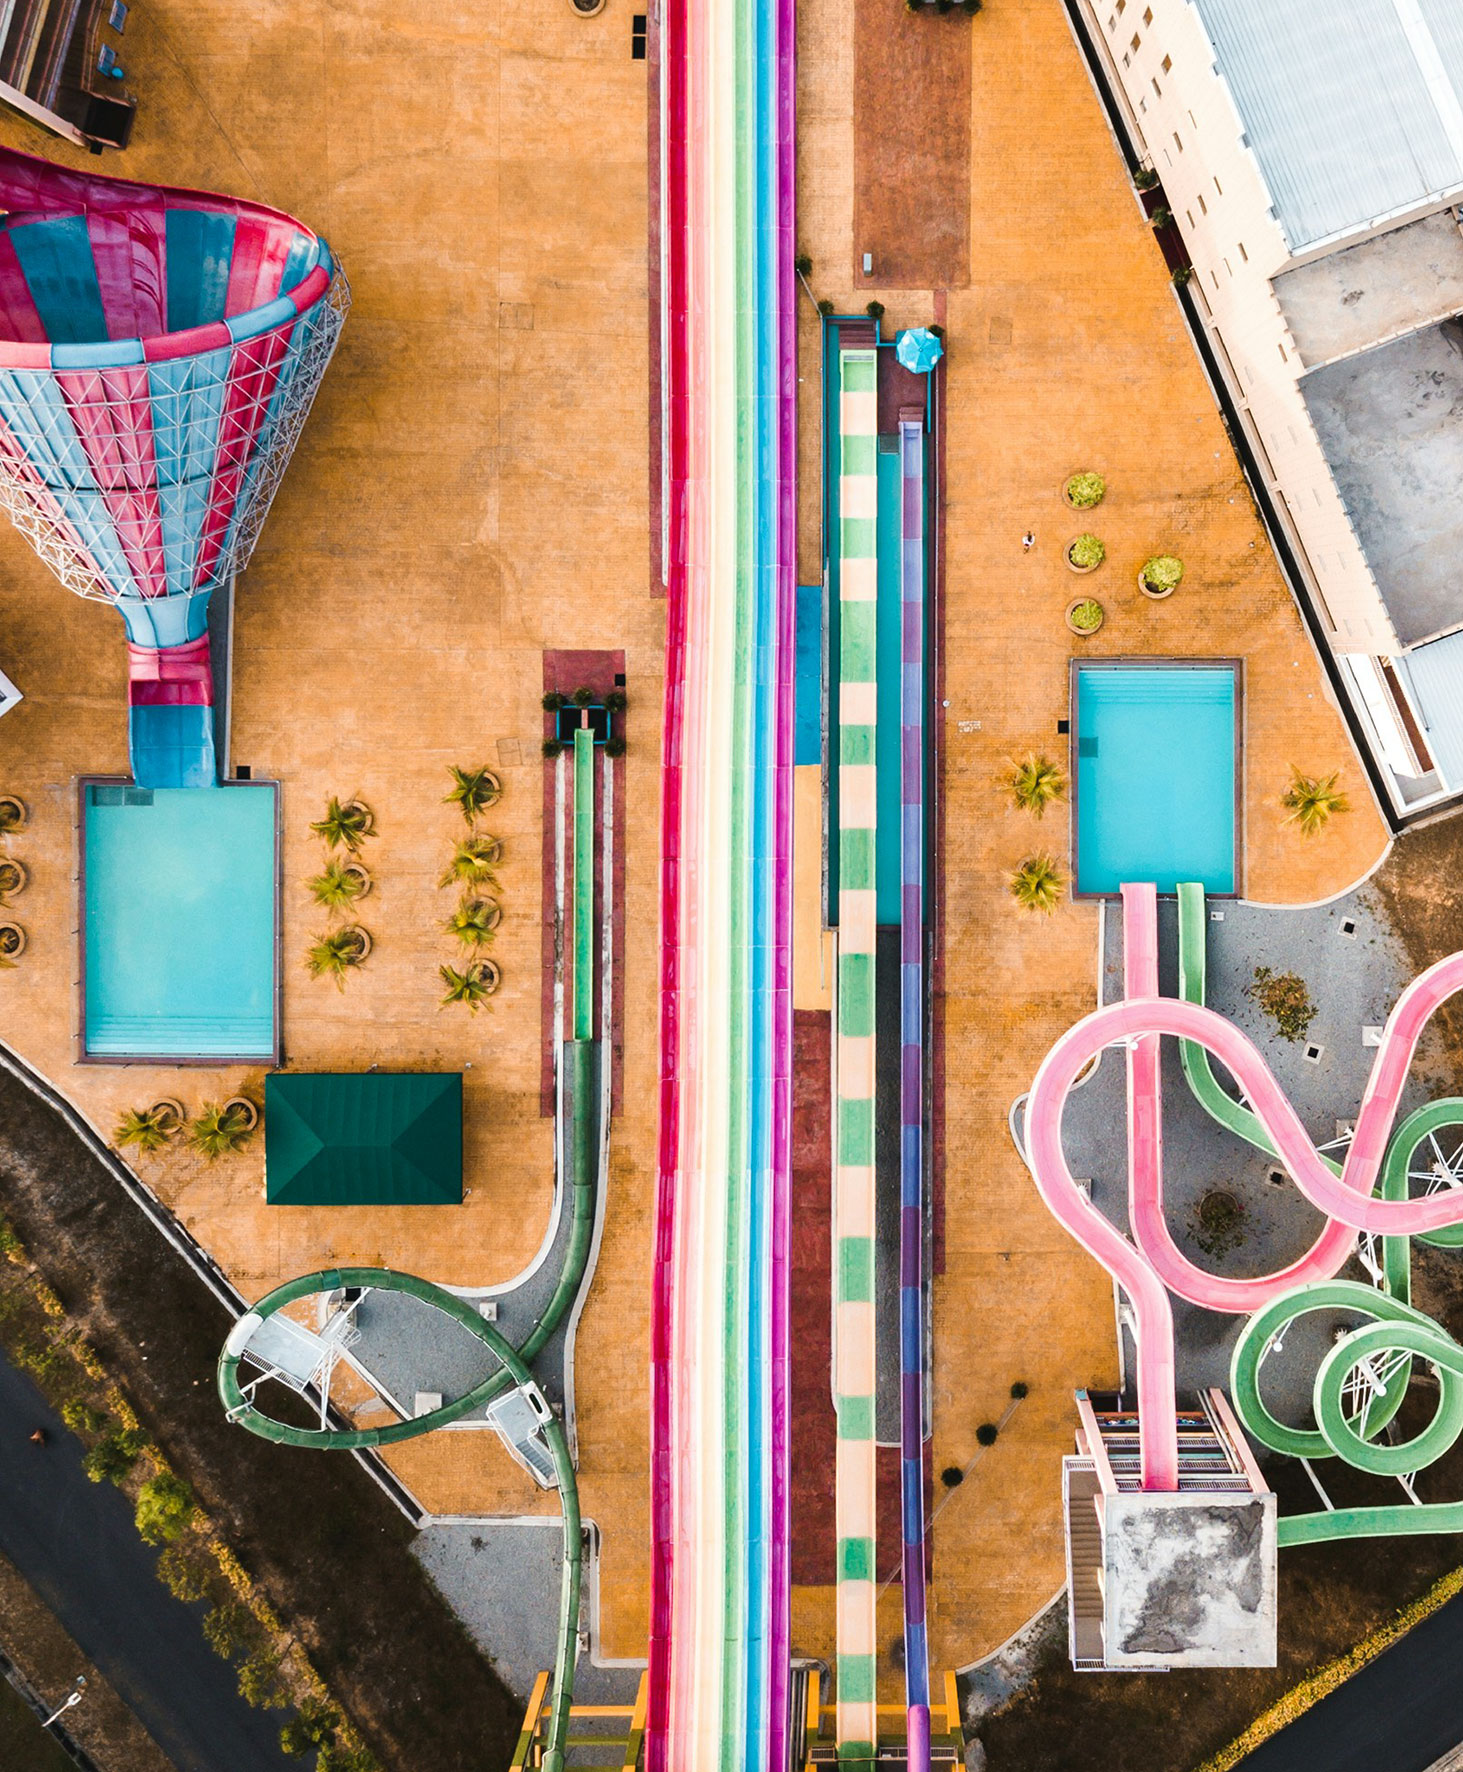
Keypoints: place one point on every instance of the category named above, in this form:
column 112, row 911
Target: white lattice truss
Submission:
column 107, row 407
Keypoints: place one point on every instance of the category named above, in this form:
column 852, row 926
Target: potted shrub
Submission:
column 1159, row 575
column 617, row 701
column 614, row 746
column 473, row 861
column 474, row 790
column 475, row 921
column 221, row 1131
column 1084, row 492
column 1085, row 553
column 1037, row 883
column 148, row 1129
column 1311, row 800
column 339, row 886
column 473, row 985
column 346, row 824
column 13, row 876
column 335, row 954
column 1085, row 615
column 13, row 814
column 12, row 943
column 1145, row 178
column 556, row 747
column 1034, row 783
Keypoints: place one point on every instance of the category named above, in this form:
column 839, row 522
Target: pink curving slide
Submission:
column 1147, row 1267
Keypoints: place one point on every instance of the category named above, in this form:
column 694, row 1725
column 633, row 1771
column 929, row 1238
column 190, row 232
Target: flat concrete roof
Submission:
column 1391, row 424
column 1349, row 301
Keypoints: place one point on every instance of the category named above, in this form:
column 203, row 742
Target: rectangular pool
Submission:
column 1155, row 774
column 178, row 934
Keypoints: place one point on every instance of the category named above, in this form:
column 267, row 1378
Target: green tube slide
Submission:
column 580, row 1143
column 513, row 1371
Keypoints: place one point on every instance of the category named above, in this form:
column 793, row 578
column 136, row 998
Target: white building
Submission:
column 1311, row 153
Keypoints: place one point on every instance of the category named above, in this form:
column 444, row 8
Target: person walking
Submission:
column 1028, row 541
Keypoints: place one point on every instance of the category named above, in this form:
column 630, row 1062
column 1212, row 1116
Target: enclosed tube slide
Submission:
column 159, row 350
column 718, row 1683
column 1148, row 1271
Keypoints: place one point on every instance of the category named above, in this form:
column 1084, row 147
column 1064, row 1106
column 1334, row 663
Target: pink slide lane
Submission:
column 1146, row 1271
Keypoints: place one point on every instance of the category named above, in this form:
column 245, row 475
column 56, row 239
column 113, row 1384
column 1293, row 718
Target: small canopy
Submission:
column 377, row 1138
column 918, row 349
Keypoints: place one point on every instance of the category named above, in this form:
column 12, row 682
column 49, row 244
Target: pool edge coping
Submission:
column 272, row 1059
column 1236, row 667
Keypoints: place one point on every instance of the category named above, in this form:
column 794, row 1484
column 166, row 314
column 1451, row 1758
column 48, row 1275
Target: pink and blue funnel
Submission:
column 159, row 350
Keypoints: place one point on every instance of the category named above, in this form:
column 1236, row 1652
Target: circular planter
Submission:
column 357, row 871
column 494, row 785
column 587, row 8
column 1152, row 595
column 14, row 876
column 1072, row 565
column 494, row 910
column 361, row 940
column 250, row 1109
column 1072, row 608
column 12, row 941
column 13, row 814
column 488, row 973
column 169, row 1113
column 492, row 851
column 1071, row 503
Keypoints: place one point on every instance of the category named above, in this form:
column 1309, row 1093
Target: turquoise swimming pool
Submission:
column 1156, row 768
column 179, row 922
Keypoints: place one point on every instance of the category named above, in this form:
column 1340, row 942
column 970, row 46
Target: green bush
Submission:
column 1084, row 491
column 986, row 1434
column 826, row 307
column 82, row 1418
column 1285, row 999
column 112, row 1458
column 40, row 1357
column 1020, row 1389
column 1086, row 551
column 11, row 1246
column 232, row 1629
column 186, row 1576
column 875, row 309
column 1087, row 615
column 1162, row 572
column 261, row 1684
column 313, row 1726
column 1037, row 884
column 1145, row 178
column 340, row 1758
column 164, row 1507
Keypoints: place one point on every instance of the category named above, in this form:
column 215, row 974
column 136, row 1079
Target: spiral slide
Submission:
column 1155, row 1266
column 719, row 1599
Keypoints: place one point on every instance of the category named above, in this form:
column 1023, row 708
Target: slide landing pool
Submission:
column 179, row 922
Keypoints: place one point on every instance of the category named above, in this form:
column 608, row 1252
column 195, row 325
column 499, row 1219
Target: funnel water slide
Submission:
column 1148, row 1271
column 159, row 350
column 718, row 1683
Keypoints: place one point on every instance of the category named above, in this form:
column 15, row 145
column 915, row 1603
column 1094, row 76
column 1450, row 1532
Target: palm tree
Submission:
column 220, row 1131
column 340, row 885
column 346, row 825
column 1037, row 884
column 472, row 986
column 1310, row 800
column 1035, row 782
column 472, row 790
column 146, row 1129
column 472, row 862
column 335, row 954
column 475, row 921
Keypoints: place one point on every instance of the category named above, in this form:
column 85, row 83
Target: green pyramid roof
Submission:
column 376, row 1138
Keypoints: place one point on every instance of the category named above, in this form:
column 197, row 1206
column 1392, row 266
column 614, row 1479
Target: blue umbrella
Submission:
column 918, row 349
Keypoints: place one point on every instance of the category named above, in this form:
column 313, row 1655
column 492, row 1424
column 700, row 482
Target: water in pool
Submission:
column 1155, row 777
column 180, row 922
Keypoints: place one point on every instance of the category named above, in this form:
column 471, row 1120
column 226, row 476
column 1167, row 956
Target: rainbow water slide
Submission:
column 159, row 350
column 1151, row 1265
column 719, row 1598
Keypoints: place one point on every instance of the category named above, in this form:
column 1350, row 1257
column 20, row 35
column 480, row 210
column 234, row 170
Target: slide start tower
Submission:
column 159, row 350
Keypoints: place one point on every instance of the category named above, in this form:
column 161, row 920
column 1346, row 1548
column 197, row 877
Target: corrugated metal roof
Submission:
column 1337, row 104
column 1435, row 672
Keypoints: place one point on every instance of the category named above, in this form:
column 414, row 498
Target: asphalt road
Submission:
column 74, row 1542
column 1402, row 1712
